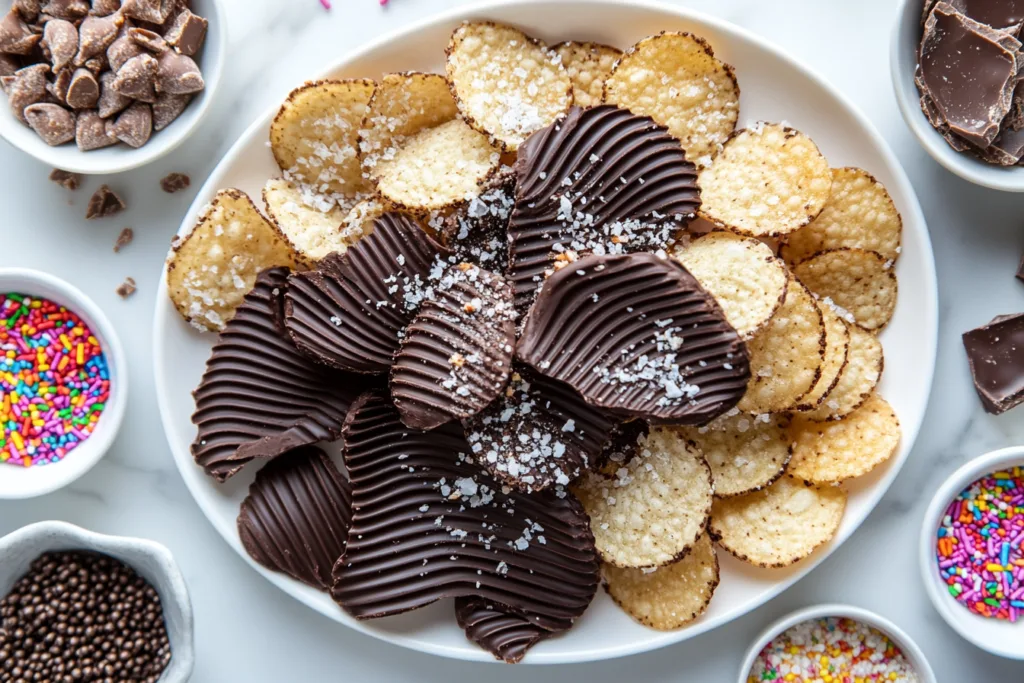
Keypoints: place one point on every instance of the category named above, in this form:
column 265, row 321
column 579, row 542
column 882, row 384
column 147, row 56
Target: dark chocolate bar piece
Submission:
column 995, row 353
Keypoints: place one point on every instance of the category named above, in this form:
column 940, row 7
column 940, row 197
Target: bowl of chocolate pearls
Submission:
column 957, row 69
column 82, row 606
column 104, row 86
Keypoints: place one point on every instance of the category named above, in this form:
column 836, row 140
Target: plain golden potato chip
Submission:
column 837, row 348
column 768, row 181
column 744, row 276
column 787, row 355
column 358, row 222
column 858, row 281
column 676, row 79
column 858, row 378
column 506, row 84
column 315, row 137
column 745, row 452
column 671, row 596
column 437, row 168
column 402, row 105
column 859, row 213
column 314, row 232
column 211, row 270
column 588, row 65
column 780, row 525
column 654, row 508
column 832, row 452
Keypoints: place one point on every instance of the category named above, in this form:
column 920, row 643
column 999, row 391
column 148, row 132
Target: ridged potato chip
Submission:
column 437, row 168
column 671, row 596
column 832, row 452
column 837, row 349
column 769, row 180
column 858, row 378
column 506, row 84
column 859, row 213
column 211, row 269
column 858, row 281
column 655, row 507
column 745, row 277
column 402, row 105
column 676, row 79
column 315, row 137
column 787, row 355
column 780, row 525
column 314, row 232
column 745, row 452
column 588, row 65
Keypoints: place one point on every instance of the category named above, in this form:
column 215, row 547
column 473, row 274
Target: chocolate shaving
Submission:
column 66, row 179
column 506, row 635
column 477, row 232
column 104, row 202
column 174, row 182
column 124, row 239
column 126, row 288
column 995, row 353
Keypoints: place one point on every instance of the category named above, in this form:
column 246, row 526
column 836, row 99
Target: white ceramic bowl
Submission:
column 122, row 157
column 909, row 648
column 906, row 38
column 998, row 637
column 151, row 560
column 28, row 482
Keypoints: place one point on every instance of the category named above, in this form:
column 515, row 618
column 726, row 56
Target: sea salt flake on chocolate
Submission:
column 134, row 125
column 66, row 9
column 16, row 37
column 91, row 132
column 174, row 182
column 187, row 33
column 178, row 74
column 83, row 90
column 995, row 353
column 167, row 108
column 104, row 202
column 137, row 78
column 96, row 34
column 60, row 40
column 66, row 179
column 52, row 122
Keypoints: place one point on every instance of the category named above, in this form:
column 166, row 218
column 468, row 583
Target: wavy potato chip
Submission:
column 832, row 452
column 858, row 281
column 837, row 349
column 671, row 596
column 745, row 277
column 859, row 213
column 212, row 268
column 506, row 84
column 857, row 379
column 314, row 232
column 676, row 79
column 588, row 65
column 655, row 507
column 745, row 452
column 780, row 525
column 768, row 181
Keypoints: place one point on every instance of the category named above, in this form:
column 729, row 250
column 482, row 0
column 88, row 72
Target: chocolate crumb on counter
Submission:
column 124, row 239
column 175, row 182
column 66, row 179
column 104, row 202
column 126, row 288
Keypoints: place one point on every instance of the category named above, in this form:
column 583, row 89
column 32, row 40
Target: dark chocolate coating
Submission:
column 613, row 168
column 295, row 519
column 477, row 232
column 995, row 353
column 504, row 634
column 637, row 335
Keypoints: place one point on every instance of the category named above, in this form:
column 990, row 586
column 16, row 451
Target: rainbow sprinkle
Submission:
column 979, row 546
column 54, row 381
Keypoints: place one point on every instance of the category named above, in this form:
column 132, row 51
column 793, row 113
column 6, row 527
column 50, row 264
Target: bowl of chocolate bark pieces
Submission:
column 956, row 69
column 104, row 86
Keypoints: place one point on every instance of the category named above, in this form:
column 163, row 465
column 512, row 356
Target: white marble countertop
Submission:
column 248, row 630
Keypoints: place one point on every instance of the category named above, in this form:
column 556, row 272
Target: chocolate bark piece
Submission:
column 970, row 71
column 1007, row 149
column 60, row 42
column 295, row 519
column 52, row 122
column 174, row 182
column 137, row 78
column 637, row 335
column 122, row 50
column 506, row 635
column 96, row 34
column 154, row 11
column 66, row 9
column 149, row 40
column 259, row 397
column 456, row 354
column 178, row 74
column 349, row 313
column 134, row 125
column 111, row 102
column 91, row 132
column 995, row 353
column 103, row 203
column 167, row 108
column 66, row 179
column 27, row 88
column 477, row 232
column 602, row 180
column 428, row 525
column 16, row 37
column 187, row 33
column 83, row 90
column 1004, row 14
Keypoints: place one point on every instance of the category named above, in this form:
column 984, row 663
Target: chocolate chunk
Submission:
column 96, row 34
column 295, row 519
column 174, row 182
column 66, row 9
column 60, row 41
column 28, row 88
column 126, row 288
column 84, row 90
column 134, row 125
column 428, row 525
column 970, row 71
column 66, row 179
column 28, row 9
column 187, row 33
column 259, row 397
column 103, row 8
column 8, row 65
column 91, row 132
column 478, row 231
column 995, row 353
column 111, row 102
column 1005, row 14
column 58, row 87
column 137, row 78
column 154, row 11
column 498, row 630
column 178, row 74
column 52, row 122
column 601, row 179
column 1007, row 149
column 124, row 239
column 150, row 40
column 456, row 354
column 122, row 50
column 638, row 336
column 623, row 445
column 350, row 311
column 104, row 202
column 167, row 108
column 16, row 37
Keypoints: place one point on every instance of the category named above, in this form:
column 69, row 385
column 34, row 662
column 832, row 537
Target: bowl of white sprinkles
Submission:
column 835, row 644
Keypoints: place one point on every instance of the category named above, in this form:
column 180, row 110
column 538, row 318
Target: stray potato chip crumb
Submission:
column 672, row 596
column 768, row 181
column 745, row 452
column 780, row 525
column 837, row 348
column 858, row 281
column 832, row 452
column 313, row 233
column 588, row 65
column 858, row 378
